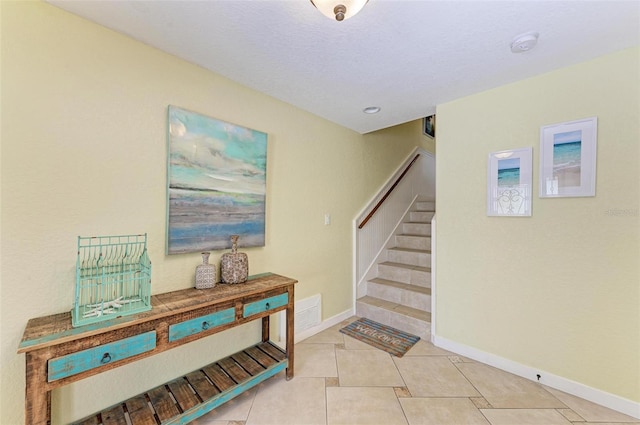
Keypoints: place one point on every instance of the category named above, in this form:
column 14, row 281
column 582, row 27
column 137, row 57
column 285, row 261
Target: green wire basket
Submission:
column 113, row 278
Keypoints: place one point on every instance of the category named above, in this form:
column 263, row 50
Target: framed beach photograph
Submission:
column 568, row 159
column 216, row 183
column 509, row 178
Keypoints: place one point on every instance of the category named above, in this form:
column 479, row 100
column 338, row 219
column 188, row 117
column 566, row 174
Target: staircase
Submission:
column 400, row 294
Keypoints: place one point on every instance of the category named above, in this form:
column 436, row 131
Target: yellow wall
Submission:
column 84, row 153
column 560, row 290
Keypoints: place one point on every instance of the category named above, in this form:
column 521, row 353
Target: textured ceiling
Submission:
column 405, row 56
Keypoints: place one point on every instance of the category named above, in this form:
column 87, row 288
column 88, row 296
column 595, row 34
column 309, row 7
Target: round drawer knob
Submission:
column 205, row 325
column 267, row 306
column 106, row 358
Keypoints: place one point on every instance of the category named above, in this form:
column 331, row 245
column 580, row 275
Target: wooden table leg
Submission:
column 37, row 399
column 265, row 329
column 290, row 334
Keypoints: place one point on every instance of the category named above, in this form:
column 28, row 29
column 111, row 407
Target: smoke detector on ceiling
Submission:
column 524, row 42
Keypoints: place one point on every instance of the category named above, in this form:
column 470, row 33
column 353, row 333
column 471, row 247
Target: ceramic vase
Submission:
column 205, row 273
column 234, row 265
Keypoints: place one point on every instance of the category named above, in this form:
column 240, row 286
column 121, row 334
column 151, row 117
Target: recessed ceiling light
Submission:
column 524, row 42
column 371, row 110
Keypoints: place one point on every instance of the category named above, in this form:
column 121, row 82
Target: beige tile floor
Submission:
column 342, row 381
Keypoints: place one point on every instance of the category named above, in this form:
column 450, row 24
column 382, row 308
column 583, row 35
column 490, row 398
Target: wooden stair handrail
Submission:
column 373, row 211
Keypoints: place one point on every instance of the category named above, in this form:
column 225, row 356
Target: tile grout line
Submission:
column 470, row 383
column 395, row 365
column 479, row 402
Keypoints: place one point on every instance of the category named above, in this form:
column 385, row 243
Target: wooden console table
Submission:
column 58, row 354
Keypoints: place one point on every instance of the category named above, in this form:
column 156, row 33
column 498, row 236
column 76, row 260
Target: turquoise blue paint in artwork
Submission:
column 567, row 153
column 567, row 158
column 217, row 183
column 508, row 172
column 567, row 148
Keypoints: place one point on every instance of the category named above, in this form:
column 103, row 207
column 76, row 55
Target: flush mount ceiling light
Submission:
column 371, row 110
column 339, row 9
column 524, row 42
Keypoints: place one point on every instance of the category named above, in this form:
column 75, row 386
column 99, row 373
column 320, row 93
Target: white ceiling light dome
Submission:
column 339, row 9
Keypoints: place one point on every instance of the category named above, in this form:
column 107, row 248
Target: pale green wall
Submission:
column 558, row 291
column 84, row 153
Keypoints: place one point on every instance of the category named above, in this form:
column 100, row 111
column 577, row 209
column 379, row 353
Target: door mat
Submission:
column 384, row 337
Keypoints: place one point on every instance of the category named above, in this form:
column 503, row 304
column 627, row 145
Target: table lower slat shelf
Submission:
column 197, row 393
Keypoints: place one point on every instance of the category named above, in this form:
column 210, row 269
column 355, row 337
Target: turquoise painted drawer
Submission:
column 200, row 324
column 91, row 358
column 265, row 305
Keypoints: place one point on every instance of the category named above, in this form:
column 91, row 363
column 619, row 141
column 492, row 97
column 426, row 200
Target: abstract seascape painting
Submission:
column 216, row 183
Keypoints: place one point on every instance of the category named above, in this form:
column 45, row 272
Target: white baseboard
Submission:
column 611, row 401
column 300, row 336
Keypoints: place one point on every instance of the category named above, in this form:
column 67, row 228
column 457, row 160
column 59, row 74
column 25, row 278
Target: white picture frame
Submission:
column 568, row 159
column 509, row 179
